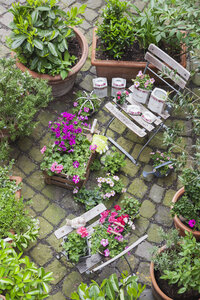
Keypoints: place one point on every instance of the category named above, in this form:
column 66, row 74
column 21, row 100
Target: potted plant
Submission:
column 47, row 44
column 66, row 161
column 76, row 245
column 20, row 278
column 86, row 104
column 121, row 97
column 15, row 223
column 21, row 97
column 185, row 209
column 162, row 163
column 110, row 186
column 142, row 87
column 174, row 269
column 117, row 288
column 89, row 198
column 123, row 37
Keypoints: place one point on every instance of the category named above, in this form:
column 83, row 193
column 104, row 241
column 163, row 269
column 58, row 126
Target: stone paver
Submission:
column 147, row 209
column 137, row 188
column 143, row 250
column 41, row 254
column 58, row 270
column 156, row 193
column 45, row 227
column 26, row 165
column 163, row 216
column 153, row 233
column 54, row 214
column 71, row 283
column 168, row 197
column 39, row 202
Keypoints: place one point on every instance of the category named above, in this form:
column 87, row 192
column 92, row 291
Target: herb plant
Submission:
column 179, row 264
column 21, row 97
column 41, row 33
column 113, row 162
column 86, row 103
column 20, row 278
column 89, row 198
column 76, row 245
column 111, row 288
column 116, row 31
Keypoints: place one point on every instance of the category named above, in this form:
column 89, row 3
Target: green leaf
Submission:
column 38, row 44
column 182, row 290
column 109, row 291
column 52, row 49
column 34, row 63
column 44, row 8
column 114, row 281
column 18, row 41
column 63, row 74
column 6, row 281
column 66, row 56
column 34, row 16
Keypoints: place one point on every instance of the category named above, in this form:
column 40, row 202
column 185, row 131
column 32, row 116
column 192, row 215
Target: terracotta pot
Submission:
column 18, row 179
column 59, row 86
column 177, row 222
column 124, row 69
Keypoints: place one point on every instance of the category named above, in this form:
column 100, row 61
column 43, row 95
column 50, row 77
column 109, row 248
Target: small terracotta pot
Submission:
column 124, row 69
column 59, row 86
column 177, row 222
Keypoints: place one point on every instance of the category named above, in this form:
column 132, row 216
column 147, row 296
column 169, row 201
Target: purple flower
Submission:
column 106, row 252
column 76, row 164
column 86, row 109
column 192, row 223
column 75, row 104
column 104, row 242
column 93, row 147
column 75, row 179
column 136, row 84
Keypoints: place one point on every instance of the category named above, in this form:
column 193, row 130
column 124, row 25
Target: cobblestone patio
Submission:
column 51, row 204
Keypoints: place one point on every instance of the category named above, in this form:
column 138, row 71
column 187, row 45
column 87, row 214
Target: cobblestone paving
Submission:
column 51, row 204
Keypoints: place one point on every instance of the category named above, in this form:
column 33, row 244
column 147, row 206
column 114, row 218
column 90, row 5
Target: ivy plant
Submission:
column 40, row 36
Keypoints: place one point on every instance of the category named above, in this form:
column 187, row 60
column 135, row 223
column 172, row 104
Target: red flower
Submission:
column 117, row 207
column 120, row 219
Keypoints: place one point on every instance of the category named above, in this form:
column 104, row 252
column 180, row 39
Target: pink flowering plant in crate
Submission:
column 110, row 186
column 121, row 97
column 143, row 81
column 159, row 158
column 70, row 150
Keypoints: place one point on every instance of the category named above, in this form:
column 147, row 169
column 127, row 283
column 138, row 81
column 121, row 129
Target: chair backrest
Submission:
column 167, row 65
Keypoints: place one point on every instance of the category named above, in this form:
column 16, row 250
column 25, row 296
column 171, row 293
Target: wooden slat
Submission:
column 169, row 61
column 126, row 121
column 163, row 68
column 89, row 215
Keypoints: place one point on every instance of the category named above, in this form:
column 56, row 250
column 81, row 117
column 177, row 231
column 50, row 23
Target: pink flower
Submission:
column 93, row 147
column 106, row 252
column 127, row 93
column 171, row 167
column 119, row 93
column 76, row 164
column 75, row 104
column 192, row 222
column 75, row 191
column 75, row 179
column 82, row 231
column 105, row 213
column 102, row 220
column 114, row 213
column 152, row 80
column 104, row 242
column 53, row 166
column 140, row 74
column 118, row 97
column 43, row 149
column 136, row 84
column 109, row 229
column 86, row 109
column 58, row 168
column 116, row 178
column 117, row 207
column 112, row 219
column 119, row 238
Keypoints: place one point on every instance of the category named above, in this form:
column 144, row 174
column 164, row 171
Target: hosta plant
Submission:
column 41, row 35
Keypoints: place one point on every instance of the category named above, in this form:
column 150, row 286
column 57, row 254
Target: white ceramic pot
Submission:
column 140, row 95
column 157, row 100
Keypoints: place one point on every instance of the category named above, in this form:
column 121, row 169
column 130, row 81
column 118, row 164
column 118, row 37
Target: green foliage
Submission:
column 75, row 246
column 89, row 198
column 86, row 103
column 115, row 247
column 21, row 97
column 5, row 182
column 131, row 207
column 113, row 162
column 116, row 31
column 20, row 279
column 41, row 33
column 159, row 158
column 96, row 165
column 125, row 287
column 180, row 264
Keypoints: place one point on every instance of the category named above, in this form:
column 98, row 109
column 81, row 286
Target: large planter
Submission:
column 63, row 180
column 177, row 222
column 124, row 69
column 59, row 86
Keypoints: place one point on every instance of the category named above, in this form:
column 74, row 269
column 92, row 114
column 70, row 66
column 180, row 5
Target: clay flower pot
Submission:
column 177, row 222
column 59, row 86
column 123, row 69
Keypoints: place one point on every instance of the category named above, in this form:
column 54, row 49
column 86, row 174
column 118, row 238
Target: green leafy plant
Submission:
column 113, row 162
column 159, row 158
column 21, row 97
column 20, row 278
column 89, row 198
column 125, row 287
column 179, row 263
column 143, row 81
column 110, row 185
column 116, row 31
column 131, row 207
column 86, row 103
column 41, row 35
column 96, row 165
column 121, row 97
column 76, row 245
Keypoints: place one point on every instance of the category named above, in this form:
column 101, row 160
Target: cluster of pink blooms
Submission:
column 43, row 149
column 161, row 157
column 93, row 147
column 85, row 109
column 55, row 167
column 143, row 81
column 111, row 183
column 82, row 231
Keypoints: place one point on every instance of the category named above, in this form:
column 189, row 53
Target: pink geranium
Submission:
column 105, row 213
column 82, row 231
column 117, row 207
column 43, row 149
column 53, row 166
column 58, row 169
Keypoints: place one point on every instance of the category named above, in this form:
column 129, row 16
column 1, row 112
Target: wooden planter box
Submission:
column 65, row 181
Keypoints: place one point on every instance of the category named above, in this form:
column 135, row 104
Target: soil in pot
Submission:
column 171, row 290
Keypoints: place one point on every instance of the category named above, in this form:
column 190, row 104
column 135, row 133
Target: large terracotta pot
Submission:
column 59, row 86
column 124, row 69
column 177, row 222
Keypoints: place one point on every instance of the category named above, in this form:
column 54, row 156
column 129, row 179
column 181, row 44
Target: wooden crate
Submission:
column 65, row 181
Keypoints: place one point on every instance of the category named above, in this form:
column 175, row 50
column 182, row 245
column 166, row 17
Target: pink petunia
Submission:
column 139, row 74
column 58, row 169
column 75, row 191
column 104, row 242
column 192, row 223
column 43, row 149
column 106, row 252
column 75, row 179
column 86, row 109
column 136, row 84
column 76, row 164
column 53, row 166
column 75, row 104
column 93, row 147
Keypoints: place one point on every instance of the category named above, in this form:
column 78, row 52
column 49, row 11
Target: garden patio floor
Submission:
column 52, row 204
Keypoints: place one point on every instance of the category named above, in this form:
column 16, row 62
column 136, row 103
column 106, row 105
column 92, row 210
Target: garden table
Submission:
column 136, row 123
